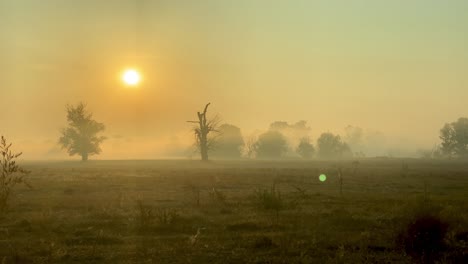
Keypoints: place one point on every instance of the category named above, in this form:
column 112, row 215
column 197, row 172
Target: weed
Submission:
column 166, row 216
column 217, row 196
column 196, row 192
column 263, row 242
column 144, row 214
column 404, row 169
column 269, row 200
column 148, row 216
column 11, row 174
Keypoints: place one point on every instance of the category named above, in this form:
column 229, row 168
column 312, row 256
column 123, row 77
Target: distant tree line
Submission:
column 225, row 141
column 281, row 140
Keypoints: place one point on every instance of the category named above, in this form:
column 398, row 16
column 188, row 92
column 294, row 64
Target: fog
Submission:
column 394, row 69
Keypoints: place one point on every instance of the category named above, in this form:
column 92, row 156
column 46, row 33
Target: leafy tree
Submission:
column 331, row 146
column 202, row 130
column 454, row 138
column 11, row 173
column 279, row 125
column 81, row 135
column 271, row 144
column 448, row 141
column 293, row 132
column 305, row 149
column 299, row 127
column 229, row 143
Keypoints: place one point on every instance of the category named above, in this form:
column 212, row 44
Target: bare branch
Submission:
column 206, row 108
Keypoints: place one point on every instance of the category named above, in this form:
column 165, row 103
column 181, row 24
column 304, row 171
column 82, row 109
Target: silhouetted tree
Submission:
column 331, row 146
column 271, row 144
column 305, row 149
column 229, row 143
column 202, row 130
column 81, row 135
column 454, row 138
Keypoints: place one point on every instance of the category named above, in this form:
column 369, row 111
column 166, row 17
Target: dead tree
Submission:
column 202, row 130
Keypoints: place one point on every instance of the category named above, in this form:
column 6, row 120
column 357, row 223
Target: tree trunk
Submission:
column 203, row 136
column 204, row 151
column 84, row 157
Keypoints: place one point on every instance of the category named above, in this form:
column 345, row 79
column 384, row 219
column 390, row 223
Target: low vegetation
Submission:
column 238, row 212
column 11, row 173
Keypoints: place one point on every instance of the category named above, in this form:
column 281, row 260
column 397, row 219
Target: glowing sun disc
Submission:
column 131, row 77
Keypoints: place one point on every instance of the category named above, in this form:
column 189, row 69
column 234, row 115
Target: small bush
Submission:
column 195, row 190
column 11, row 174
column 149, row 216
column 263, row 242
column 217, row 196
column 244, row 227
column 404, row 169
column 424, row 237
column 144, row 214
column 269, row 199
column 166, row 216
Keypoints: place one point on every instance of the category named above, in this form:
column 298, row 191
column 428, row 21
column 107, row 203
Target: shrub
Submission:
column 166, row 216
column 144, row 214
column 271, row 145
column 11, row 173
column 423, row 238
column 269, row 200
column 263, row 242
column 148, row 215
column 217, row 196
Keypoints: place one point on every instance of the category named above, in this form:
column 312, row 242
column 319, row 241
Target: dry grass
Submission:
column 190, row 212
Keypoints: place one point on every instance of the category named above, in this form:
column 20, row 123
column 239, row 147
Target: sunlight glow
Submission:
column 131, row 77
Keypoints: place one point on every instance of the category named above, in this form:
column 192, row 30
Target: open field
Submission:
column 243, row 212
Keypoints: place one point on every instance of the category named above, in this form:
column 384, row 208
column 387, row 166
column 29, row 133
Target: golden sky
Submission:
column 398, row 67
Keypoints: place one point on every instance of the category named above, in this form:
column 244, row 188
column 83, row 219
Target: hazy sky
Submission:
column 399, row 67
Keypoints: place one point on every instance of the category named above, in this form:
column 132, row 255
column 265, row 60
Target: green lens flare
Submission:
column 322, row 177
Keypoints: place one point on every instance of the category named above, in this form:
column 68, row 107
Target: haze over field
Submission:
column 395, row 68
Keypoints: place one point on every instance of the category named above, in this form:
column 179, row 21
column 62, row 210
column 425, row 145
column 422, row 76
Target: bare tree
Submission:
column 250, row 147
column 202, row 130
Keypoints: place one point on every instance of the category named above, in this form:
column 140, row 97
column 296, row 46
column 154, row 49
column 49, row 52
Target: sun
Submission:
column 131, row 77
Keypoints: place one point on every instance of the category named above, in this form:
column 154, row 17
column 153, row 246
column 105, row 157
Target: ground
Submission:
column 231, row 212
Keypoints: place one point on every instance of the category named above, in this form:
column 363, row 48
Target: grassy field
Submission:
column 231, row 212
